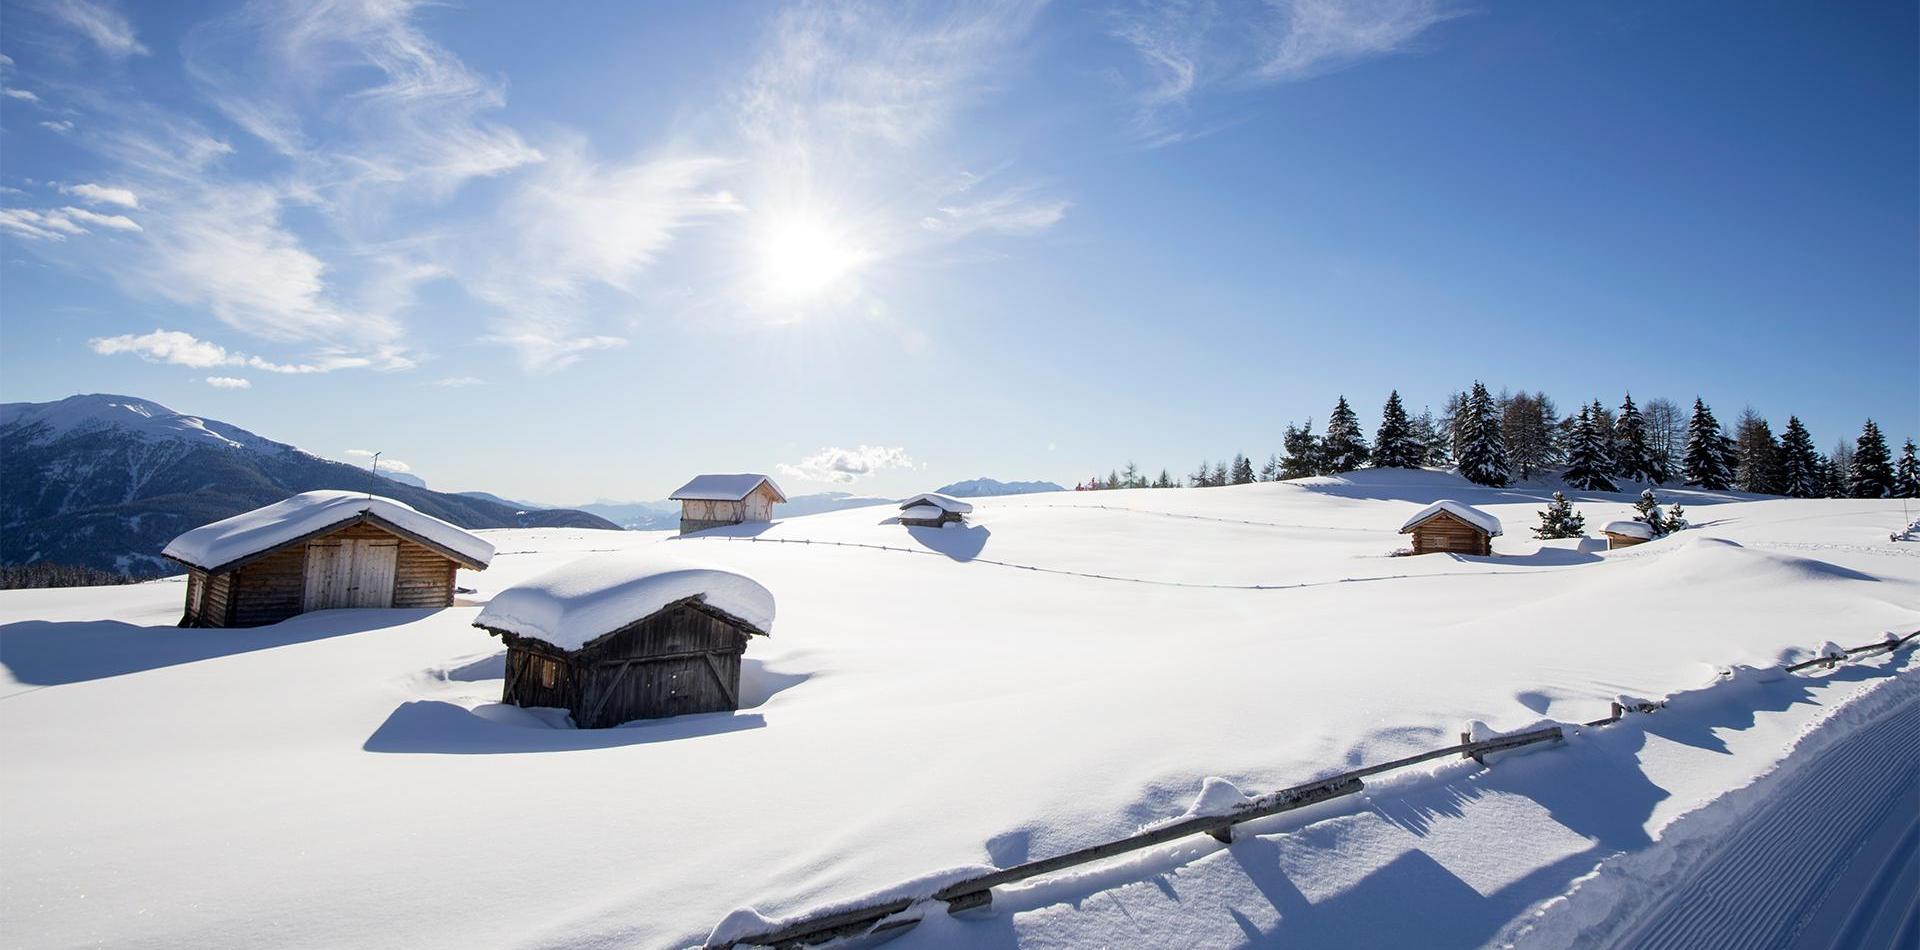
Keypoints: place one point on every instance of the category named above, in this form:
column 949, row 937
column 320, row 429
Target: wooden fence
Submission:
column 977, row 891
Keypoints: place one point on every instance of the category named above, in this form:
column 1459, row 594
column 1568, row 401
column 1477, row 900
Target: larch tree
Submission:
column 1871, row 474
column 1800, row 475
column 1666, row 436
column 1395, row 445
column 1344, row 448
column 1531, row 431
column 1435, row 445
column 1837, row 471
column 1242, row 473
column 1481, row 452
column 1706, row 459
column 1759, row 468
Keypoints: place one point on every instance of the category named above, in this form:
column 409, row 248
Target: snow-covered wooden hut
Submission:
column 1450, row 526
column 932, row 509
column 710, row 501
column 1626, row 534
column 625, row 636
column 317, row 550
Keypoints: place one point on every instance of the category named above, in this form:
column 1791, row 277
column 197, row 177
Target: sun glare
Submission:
column 802, row 257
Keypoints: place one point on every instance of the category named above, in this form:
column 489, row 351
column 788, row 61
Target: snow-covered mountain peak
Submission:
column 26, row 423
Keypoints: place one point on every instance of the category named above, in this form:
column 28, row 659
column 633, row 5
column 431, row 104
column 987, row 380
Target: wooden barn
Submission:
column 932, row 509
column 1451, row 527
column 627, row 636
column 318, row 550
column 711, row 501
column 1626, row 534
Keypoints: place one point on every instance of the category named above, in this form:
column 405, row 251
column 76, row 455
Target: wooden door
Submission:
column 350, row 573
column 326, row 580
column 372, row 569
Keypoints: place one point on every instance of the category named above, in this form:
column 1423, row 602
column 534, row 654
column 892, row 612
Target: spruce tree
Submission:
column 1661, row 523
column 1303, row 452
column 1344, row 448
column 1482, row 453
column 1871, row 475
column 1586, row 455
column 1706, row 461
column 1906, row 474
column 1394, row 445
column 1800, row 475
column 1559, row 520
column 1635, row 458
column 1242, row 473
column 1164, row 481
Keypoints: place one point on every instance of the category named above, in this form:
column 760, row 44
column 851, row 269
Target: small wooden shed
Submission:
column 626, row 636
column 319, row 550
column 710, row 501
column 1626, row 534
column 1452, row 527
column 932, row 509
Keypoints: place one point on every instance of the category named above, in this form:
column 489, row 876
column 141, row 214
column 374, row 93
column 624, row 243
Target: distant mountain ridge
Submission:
column 104, row 481
column 983, row 487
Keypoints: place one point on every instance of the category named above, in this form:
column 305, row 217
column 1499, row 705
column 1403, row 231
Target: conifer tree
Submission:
column 1839, row 465
column 1242, row 473
column 1800, row 475
column 1530, row 430
column 1433, row 443
column 1559, row 520
column 1649, row 514
column 1219, row 476
column 1758, row 469
column 1906, row 474
column 1706, row 460
column 1394, row 445
column 1482, row 453
column 1303, row 452
column 1270, row 472
column 1164, row 481
column 1344, row 448
column 1635, row 458
column 1586, row 455
column 1871, row 475
column 1200, row 475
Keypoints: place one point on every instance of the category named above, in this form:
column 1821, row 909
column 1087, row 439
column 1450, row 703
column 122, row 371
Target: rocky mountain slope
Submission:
column 104, row 481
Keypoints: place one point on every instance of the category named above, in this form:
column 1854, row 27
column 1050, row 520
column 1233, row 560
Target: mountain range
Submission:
column 104, row 481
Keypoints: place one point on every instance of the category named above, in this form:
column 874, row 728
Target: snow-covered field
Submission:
column 1063, row 670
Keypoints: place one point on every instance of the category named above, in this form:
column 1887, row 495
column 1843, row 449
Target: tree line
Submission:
column 1493, row 440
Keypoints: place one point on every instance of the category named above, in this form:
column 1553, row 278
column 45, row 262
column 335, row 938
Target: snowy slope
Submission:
column 1063, row 669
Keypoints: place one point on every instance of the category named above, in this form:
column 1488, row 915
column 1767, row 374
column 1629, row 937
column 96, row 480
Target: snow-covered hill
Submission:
column 1062, row 670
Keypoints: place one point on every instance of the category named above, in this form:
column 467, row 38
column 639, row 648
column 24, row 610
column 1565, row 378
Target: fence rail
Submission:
column 882, row 916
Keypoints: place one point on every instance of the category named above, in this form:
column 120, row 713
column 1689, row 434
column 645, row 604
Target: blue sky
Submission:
column 583, row 254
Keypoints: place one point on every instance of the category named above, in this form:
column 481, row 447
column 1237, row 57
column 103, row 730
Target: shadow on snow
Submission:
column 53, row 653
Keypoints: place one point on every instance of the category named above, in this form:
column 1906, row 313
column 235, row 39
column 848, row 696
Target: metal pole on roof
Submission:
column 376, row 474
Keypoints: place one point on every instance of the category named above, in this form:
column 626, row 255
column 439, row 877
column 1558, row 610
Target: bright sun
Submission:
column 801, row 257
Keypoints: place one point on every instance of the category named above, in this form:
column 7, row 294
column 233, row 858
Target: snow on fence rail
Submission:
column 977, row 891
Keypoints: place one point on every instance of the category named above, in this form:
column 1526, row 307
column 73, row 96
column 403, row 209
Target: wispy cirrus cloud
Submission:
column 1186, row 48
column 102, row 194
column 838, row 465
column 180, row 348
column 100, row 22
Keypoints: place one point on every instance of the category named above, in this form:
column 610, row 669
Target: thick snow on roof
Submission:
column 1466, row 513
column 579, row 602
column 724, row 487
column 222, row 542
column 925, row 512
column 937, row 500
column 1632, row 529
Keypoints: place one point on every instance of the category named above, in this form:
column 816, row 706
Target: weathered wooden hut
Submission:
column 1626, row 534
column 317, row 550
column 1449, row 526
column 932, row 509
column 710, row 501
column 626, row 636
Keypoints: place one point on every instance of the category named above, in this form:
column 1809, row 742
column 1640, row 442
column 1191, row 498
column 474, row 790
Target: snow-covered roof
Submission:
column 1464, row 512
column 922, row 512
column 1632, row 529
column 215, row 545
column 582, row 601
column 937, row 500
column 725, row 488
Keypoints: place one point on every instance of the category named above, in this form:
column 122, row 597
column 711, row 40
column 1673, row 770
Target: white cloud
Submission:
column 102, row 194
column 544, row 354
column 60, row 126
column 455, row 382
column 21, row 94
column 386, row 464
column 41, row 226
column 107, row 27
column 846, row 465
column 1188, row 48
column 228, row 382
column 115, row 222
column 184, row 349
